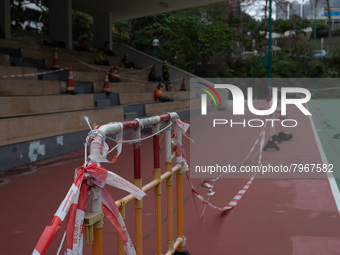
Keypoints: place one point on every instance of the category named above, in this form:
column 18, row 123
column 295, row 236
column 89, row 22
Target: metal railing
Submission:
column 159, row 177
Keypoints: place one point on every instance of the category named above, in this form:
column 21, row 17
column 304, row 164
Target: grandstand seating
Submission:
column 36, row 107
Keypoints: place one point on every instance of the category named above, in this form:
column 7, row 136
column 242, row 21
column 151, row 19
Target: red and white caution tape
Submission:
column 74, row 225
column 241, row 192
column 231, row 204
column 50, row 231
column 75, row 203
column 33, row 74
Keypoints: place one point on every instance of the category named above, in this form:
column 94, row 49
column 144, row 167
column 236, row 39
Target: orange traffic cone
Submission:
column 55, row 64
column 183, row 85
column 70, row 83
column 107, row 83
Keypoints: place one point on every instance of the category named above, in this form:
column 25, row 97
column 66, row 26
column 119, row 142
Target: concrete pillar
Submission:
column 5, row 18
column 60, row 21
column 102, row 29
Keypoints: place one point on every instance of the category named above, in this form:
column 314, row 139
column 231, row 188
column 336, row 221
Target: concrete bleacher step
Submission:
column 49, row 77
column 67, row 57
column 123, row 87
column 177, row 95
column 5, row 59
column 13, row 87
column 33, row 105
column 139, row 109
column 29, row 128
column 17, row 42
column 79, row 90
column 10, row 51
column 136, row 98
column 100, row 96
column 148, row 97
column 153, row 109
column 33, row 62
column 23, row 64
column 112, row 97
column 33, row 48
column 102, row 103
column 130, row 115
column 84, row 87
column 17, row 70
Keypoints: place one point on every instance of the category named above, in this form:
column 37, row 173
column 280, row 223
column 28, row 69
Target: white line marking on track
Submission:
column 330, row 176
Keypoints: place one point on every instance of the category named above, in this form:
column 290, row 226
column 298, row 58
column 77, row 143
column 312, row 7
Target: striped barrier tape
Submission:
column 74, row 206
column 33, row 74
column 241, row 192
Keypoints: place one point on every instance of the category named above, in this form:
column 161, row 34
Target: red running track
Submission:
column 275, row 216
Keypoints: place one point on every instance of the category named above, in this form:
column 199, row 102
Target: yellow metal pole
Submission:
column 158, row 208
column 169, row 183
column 138, row 219
column 120, row 246
column 97, row 247
column 179, row 187
column 180, row 218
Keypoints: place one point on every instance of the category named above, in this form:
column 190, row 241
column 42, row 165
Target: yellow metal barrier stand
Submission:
column 138, row 219
column 97, row 247
column 120, row 246
column 180, row 229
column 179, row 186
column 158, row 208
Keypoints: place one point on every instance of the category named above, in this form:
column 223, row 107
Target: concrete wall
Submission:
column 25, row 153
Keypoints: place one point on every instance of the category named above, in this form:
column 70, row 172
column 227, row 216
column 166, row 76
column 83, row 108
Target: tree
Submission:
column 321, row 28
column 190, row 39
column 29, row 15
column 82, row 26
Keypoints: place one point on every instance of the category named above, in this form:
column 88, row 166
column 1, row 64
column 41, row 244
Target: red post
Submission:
column 138, row 182
column 158, row 189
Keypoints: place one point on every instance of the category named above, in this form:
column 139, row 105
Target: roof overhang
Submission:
column 130, row 9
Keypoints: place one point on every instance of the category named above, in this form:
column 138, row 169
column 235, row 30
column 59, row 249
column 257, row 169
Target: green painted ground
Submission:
column 326, row 117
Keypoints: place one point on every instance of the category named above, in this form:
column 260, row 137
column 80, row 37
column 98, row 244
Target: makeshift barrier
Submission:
column 88, row 188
